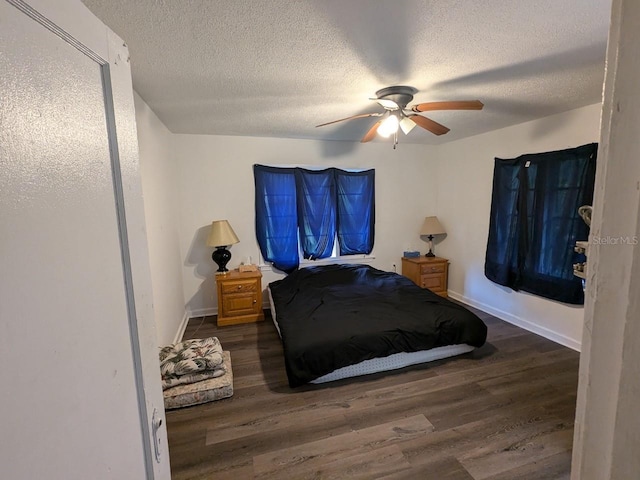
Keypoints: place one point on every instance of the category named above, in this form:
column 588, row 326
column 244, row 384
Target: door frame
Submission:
column 74, row 23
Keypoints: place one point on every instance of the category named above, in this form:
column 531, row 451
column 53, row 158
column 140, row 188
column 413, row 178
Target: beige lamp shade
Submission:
column 431, row 226
column 221, row 234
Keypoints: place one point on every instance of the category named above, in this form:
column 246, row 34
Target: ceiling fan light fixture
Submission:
column 398, row 114
column 406, row 124
column 386, row 103
column 389, row 126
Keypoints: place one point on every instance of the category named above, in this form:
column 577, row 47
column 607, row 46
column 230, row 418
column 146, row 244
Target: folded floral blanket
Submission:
column 168, row 382
column 191, row 361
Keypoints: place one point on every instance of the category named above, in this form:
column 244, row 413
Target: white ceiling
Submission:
column 278, row 68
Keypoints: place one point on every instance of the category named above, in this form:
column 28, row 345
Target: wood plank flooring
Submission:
column 504, row 411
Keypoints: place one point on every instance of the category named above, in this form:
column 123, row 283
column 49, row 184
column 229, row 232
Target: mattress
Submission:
column 336, row 316
column 394, row 361
column 381, row 364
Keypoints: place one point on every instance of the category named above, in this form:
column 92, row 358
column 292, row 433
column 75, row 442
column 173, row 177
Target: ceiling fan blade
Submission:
column 386, row 103
column 371, row 133
column 362, row 115
column 454, row 105
column 428, row 124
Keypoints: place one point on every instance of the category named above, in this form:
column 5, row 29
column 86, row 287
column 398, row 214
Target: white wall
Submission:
column 160, row 172
column 191, row 180
column 465, row 174
column 217, row 183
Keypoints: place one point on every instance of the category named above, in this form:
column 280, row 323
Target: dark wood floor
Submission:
column 503, row 412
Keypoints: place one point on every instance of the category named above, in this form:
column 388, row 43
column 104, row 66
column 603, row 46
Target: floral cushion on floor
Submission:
column 191, row 360
column 193, row 377
column 203, row 391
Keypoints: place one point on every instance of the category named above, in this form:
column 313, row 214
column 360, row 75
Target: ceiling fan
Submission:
column 397, row 115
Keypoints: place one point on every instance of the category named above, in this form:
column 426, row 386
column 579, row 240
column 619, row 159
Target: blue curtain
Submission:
column 312, row 206
column 502, row 247
column 276, row 216
column 316, row 195
column 356, row 211
column 534, row 221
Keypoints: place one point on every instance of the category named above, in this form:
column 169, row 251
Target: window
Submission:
column 311, row 210
column 534, row 221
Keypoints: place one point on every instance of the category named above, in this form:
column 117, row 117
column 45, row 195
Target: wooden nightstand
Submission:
column 427, row 272
column 239, row 297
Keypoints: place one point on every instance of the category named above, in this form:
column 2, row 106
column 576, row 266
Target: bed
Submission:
column 337, row 321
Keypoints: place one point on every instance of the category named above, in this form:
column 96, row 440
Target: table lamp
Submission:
column 431, row 227
column 221, row 236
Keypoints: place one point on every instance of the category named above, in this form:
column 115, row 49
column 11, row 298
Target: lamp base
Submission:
column 430, row 252
column 221, row 256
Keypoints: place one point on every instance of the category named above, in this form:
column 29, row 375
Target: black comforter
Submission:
column 338, row 315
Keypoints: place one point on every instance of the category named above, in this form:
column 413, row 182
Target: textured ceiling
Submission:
column 278, row 68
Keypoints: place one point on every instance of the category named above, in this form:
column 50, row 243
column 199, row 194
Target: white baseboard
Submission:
column 520, row 322
column 202, row 312
column 181, row 328
column 210, row 311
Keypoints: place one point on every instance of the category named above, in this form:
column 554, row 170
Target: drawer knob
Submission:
column 255, row 301
column 239, row 287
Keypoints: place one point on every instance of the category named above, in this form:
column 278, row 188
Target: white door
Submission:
column 79, row 377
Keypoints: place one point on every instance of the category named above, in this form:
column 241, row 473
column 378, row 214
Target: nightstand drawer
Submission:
column 435, row 282
column 239, row 286
column 244, row 304
column 439, row 268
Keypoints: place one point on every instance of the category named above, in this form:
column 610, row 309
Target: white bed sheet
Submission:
column 382, row 364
